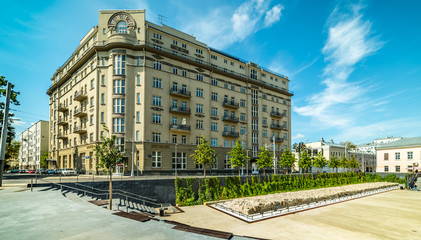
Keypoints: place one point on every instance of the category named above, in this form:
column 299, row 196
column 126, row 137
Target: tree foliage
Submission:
column 305, row 161
column 353, row 163
column 343, row 163
column 264, row 159
column 238, row 156
column 334, row 162
column 204, row 154
column 44, row 158
column 13, row 100
column 319, row 161
column 287, row 160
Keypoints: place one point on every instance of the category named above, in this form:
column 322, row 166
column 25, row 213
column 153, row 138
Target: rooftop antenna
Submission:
column 161, row 19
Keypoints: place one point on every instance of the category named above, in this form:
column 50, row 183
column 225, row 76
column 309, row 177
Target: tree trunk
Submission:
column 204, row 171
column 111, row 189
column 239, row 173
column 264, row 172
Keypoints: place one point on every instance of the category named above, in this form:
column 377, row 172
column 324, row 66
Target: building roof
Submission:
column 405, row 142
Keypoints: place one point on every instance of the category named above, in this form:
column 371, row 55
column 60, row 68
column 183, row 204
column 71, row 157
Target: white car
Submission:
column 68, row 171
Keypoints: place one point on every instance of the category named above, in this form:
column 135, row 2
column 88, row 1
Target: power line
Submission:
column 29, row 113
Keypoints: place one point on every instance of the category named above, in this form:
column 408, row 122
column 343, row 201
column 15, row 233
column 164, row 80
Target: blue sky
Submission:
column 354, row 66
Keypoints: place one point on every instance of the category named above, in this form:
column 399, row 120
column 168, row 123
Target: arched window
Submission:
column 122, row 27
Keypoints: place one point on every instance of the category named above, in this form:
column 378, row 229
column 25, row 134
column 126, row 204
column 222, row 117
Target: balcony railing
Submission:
column 184, row 111
column 79, row 129
column 80, row 95
column 276, row 126
column 62, row 107
column 230, row 119
column 180, row 93
column 231, row 134
column 179, row 127
column 79, row 112
column 276, row 114
column 277, row 139
column 62, row 135
column 231, row 104
column 62, row 121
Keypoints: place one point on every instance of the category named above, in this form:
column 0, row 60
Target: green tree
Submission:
column 353, row 163
column 287, row 160
column 319, row 161
column 204, row 154
column 343, row 163
column 264, row 159
column 334, row 162
column 108, row 152
column 14, row 101
column 44, row 157
column 305, row 161
column 349, row 146
column 11, row 153
column 238, row 156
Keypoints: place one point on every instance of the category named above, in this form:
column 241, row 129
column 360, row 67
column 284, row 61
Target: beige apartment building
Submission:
column 400, row 156
column 159, row 90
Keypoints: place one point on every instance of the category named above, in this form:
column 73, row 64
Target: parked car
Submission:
column 57, row 171
column 68, row 171
column 22, row 171
column 14, row 171
column 41, row 171
column 31, row 171
column 51, row 171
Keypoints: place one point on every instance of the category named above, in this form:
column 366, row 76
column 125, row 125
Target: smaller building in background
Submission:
column 371, row 147
column 34, row 142
column 403, row 155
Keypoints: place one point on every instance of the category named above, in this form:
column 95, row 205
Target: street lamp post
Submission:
column 274, row 156
column 134, row 132
column 242, row 167
column 176, row 160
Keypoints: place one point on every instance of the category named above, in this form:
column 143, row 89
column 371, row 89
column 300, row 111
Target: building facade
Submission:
column 400, row 156
column 371, row 147
column 34, row 142
column 159, row 90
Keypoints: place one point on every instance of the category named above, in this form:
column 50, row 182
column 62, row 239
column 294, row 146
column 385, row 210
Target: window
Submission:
column 92, row 84
column 138, row 98
column 243, row 90
column 214, row 57
column 232, row 87
column 199, row 51
column 184, row 73
column 138, row 30
column 174, row 42
column 214, row 81
column 139, row 61
column 137, row 136
column 119, row 86
column 157, row 64
column 138, row 80
column 92, row 102
column 214, row 96
column 157, row 47
column 225, row 61
column 386, row 156
column 199, row 124
column 183, row 139
column 397, row 156
column 118, row 125
column 156, row 100
column 103, row 80
column 214, row 126
column 120, row 64
column 122, row 27
column 175, row 70
column 199, row 108
column 156, row 82
column 386, row 168
column 120, row 143
column 242, row 130
column 183, row 45
column 265, row 108
column 225, row 85
column 104, row 31
column 410, row 155
column 225, row 143
column 174, row 138
column 227, row 164
column 137, row 117
column 397, row 168
column 243, row 103
column 156, row 137
column 253, row 74
column 198, row 140
column 242, row 116
column 92, row 119
column 264, row 96
column 156, row 159
column 119, row 105
column 199, row 77
column 214, row 142
column 181, row 160
column 102, row 117
column 156, row 35
column 156, row 118
column 199, row 92
column 214, row 112
column 264, row 133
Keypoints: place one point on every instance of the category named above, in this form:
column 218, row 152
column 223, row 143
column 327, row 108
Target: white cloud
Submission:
column 223, row 27
column 298, row 136
column 18, row 123
column 349, row 41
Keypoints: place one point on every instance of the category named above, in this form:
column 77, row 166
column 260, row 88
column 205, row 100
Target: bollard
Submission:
column 77, row 178
column 36, row 178
column 60, row 179
column 31, row 184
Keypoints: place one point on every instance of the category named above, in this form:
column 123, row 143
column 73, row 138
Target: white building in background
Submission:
column 403, row 155
column 34, row 142
column 371, row 147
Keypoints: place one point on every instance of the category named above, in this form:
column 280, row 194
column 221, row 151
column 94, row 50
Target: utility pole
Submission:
column 274, row 156
column 176, row 160
column 133, row 138
column 4, row 132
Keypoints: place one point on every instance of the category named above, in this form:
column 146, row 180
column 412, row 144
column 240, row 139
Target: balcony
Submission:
column 180, row 93
column 79, row 129
column 231, row 104
column 230, row 119
column 276, row 114
column 62, row 136
column 80, row 96
column 277, row 139
column 62, row 122
column 231, row 134
column 276, row 126
column 184, row 111
column 62, row 108
column 80, row 112
column 181, row 128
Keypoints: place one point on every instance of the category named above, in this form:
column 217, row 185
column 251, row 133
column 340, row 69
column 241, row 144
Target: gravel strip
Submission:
column 258, row 204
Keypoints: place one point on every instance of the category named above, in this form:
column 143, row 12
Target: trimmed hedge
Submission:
column 194, row 191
